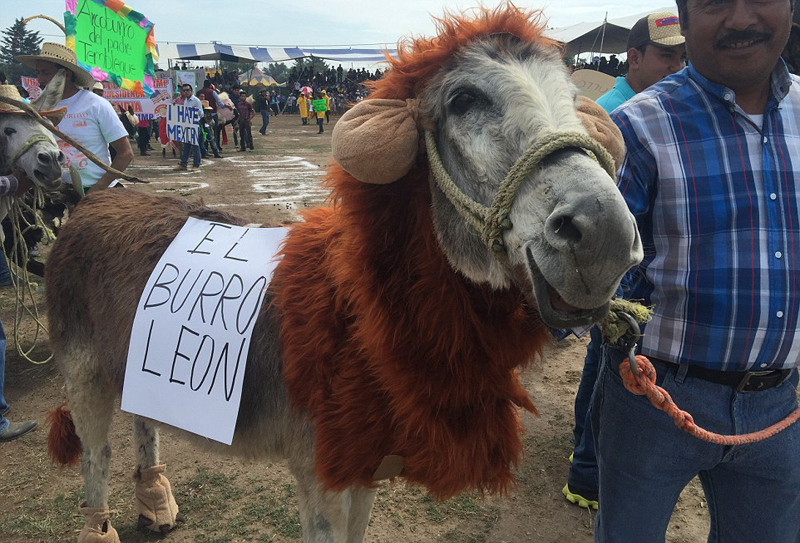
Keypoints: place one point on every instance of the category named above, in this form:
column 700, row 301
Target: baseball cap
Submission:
column 662, row 29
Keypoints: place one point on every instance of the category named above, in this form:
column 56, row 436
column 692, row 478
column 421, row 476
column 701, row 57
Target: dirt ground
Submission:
column 225, row 499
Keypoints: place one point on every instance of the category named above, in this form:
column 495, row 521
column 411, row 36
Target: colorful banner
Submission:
column 112, row 42
column 31, row 86
column 144, row 107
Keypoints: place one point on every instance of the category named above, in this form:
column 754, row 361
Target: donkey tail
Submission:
column 63, row 443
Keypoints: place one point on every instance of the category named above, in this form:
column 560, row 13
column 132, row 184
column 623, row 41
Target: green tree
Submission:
column 278, row 71
column 18, row 40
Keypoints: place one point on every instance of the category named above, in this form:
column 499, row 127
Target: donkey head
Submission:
column 492, row 97
column 25, row 145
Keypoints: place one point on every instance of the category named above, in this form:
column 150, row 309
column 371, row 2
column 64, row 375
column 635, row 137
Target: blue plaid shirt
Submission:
column 713, row 190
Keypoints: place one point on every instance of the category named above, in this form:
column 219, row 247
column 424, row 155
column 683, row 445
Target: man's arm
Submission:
column 124, row 156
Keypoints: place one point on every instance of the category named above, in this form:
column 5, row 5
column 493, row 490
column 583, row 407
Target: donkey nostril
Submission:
column 564, row 229
column 61, row 158
column 43, row 157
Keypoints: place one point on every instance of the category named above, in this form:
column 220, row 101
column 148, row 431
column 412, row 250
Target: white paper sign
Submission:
column 183, row 124
column 193, row 325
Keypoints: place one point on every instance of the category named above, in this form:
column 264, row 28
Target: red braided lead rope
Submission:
column 645, row 385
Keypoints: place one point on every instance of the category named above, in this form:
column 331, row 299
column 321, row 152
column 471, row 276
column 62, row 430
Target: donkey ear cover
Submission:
column 377, row 141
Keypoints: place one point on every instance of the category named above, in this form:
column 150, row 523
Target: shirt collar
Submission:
column 780, row 81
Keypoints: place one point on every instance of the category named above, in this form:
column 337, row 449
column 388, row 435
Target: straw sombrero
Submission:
column 63, row 56
column 10, row 91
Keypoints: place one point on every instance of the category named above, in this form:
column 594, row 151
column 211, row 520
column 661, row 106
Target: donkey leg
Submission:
column 361, row 501
column 154, row 500
column 330, row 517
column 92, row 406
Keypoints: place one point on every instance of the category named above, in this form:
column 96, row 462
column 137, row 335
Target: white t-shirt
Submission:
column 92, row 121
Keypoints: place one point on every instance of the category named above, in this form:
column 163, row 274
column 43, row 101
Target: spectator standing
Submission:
column 303, row 106
column 710, row 171
column 246, row 114
column 261, row 104
column 191, row 101
column 655, row 50
column 143, row 129
column 209, row 94
column 319, row 107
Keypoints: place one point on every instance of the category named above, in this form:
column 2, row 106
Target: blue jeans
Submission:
column 195, row 150
column 264, row 121
column 3, row 403
column 583, row 471
column 753, row 491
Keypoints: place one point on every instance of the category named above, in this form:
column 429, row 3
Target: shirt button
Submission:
column 778, row 254
column 727, row 97
column 772, row 196
column 779, row 314
column 766, row 139
column 763, row 365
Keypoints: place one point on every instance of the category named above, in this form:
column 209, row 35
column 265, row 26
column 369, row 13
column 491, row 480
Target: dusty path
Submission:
column 228, row 500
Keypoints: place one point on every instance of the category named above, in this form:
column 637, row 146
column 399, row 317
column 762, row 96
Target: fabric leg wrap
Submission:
column 98, row 527
column 154, row 499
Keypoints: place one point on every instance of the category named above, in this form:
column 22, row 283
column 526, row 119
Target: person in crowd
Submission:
column 11, row 185
column 90, row 119
column 301, row 104
column 709, row 173
column 656, row 49
column 98, row 89
column 273, row 102
column 291, row 102
column 207, row 136
column 235, row 96
column 327, row 106
column 319, row 107
column 209, row 94
column 190, row 100
column 246, row 114
column 261, row 105
column 143, row 129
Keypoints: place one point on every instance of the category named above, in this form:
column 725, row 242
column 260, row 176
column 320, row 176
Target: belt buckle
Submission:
column 749, row 374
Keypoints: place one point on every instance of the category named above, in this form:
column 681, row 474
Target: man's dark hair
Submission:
column 186, row 85
column 207, row 84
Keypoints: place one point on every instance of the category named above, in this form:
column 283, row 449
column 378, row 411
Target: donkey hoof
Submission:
column 143, row 522
column 165, row 528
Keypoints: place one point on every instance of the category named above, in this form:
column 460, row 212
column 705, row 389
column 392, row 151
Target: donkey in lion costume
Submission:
column 472, row 205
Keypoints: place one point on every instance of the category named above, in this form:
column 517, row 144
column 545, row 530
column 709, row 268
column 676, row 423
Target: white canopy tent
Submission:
column 607, row 37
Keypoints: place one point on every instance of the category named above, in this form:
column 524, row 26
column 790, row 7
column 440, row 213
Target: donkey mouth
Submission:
column 554, row 310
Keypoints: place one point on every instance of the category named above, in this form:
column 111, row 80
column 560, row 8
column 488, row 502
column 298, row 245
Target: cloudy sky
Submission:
column 312, row 22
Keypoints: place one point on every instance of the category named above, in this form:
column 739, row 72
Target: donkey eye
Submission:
column 465, row 100
column 9, row 131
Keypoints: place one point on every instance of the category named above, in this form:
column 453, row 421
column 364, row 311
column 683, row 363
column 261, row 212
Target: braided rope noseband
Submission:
column 33, row 140
column 492, row 222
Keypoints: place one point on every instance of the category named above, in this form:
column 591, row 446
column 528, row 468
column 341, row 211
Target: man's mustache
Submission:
column 735, row 36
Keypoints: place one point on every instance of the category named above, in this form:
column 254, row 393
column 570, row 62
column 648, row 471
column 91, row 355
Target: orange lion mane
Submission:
column 385, row 347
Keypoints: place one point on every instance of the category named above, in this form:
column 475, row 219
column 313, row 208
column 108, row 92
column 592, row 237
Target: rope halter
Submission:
column 33, row 140
column 492, row 222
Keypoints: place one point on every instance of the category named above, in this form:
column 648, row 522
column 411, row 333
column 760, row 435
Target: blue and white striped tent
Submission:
column 238, row 53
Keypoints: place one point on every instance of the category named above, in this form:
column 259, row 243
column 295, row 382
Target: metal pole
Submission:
column 603, row 36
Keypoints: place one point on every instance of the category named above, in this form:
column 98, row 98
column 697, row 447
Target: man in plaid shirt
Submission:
column 713, row 155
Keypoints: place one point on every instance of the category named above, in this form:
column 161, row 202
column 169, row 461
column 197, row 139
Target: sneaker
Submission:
column 581, row 497
column 17, row 429
column 180, row 168
column 34, row 251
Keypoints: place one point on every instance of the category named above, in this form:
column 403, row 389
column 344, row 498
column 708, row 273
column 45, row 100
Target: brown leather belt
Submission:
column 743, row 381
